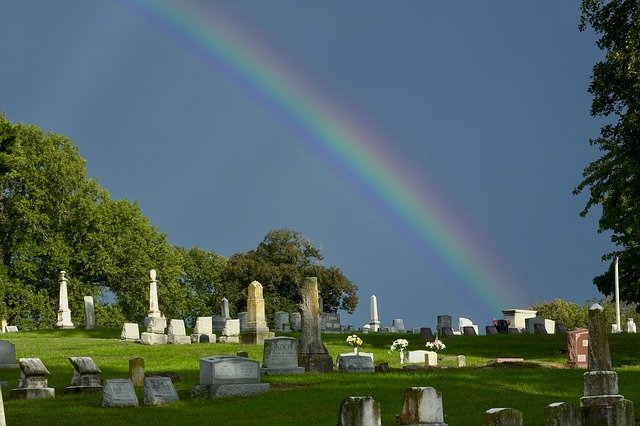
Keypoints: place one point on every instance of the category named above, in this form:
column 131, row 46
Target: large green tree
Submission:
column 279, row 263
column 613, row 180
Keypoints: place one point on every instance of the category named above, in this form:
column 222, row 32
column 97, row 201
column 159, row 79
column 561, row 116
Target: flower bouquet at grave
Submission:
column 399, row 345
column 354, row 341
column 436, row 345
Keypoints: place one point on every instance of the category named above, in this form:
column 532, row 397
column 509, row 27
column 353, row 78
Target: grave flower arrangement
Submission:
column 436, row 345
column 399, row 345
column 354, row 341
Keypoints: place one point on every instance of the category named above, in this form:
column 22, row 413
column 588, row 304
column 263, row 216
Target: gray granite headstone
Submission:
column 85, row 375
column 281, row 321
column 561, row 414
column 224, row 309
column 355, row 363
column 8, row 355
column 119, row 393
column 280, row 356
column 442, row 322
column 222, row 376
column 33, row 383
column 159, row 390
column 294, row 320
column 330, row 322
column 242, row 316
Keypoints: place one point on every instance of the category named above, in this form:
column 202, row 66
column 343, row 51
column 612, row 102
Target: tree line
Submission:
column 53, row 218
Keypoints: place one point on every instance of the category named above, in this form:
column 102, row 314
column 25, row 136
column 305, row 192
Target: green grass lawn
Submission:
column 314, row 398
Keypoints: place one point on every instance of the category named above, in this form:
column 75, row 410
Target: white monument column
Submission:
column 374, row 323
column 154, row 310
column 64, row 314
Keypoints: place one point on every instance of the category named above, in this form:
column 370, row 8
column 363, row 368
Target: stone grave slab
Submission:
column 356, row 363
column 119, row 393
column 159, row 390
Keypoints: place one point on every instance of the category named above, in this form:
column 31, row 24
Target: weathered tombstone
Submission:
column 295, row 321
column 631, row 326
column 502, row 417
column 421, row 406
column 577, row 347
column 490, row 329
column 89, row 313
column 561, row 414
column 330, row 322
column 280, row 356
column 356, row 363
column 374, row 323
column 203, row 331
column 256, row 329
column 8, row 355
column 136, row 371
column 426, row 333
column 222, row 376
column 601, row 403
column 281, row 322
column 217, row 323
column 130, row 331
column 469, row 330
column 85, row 375
column 447, row 331
column 119, row 393
column 312, row 353
column 397, row 325
column 176, row 333
column 224, row 309
column 64, row 314
column 33, row 383
column 11, row 329
column 443, row 321
column 230, row 331
column 461, row 360
column 360, row 411
column 155, row 331
column 242, row 316
column 159, row 390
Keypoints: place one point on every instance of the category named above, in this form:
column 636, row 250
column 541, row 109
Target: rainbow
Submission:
column 344, row 142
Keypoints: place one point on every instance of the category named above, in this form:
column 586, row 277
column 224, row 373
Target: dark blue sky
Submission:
column 483, row 105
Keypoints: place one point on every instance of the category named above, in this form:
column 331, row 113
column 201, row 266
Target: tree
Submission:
column 279, row 263
column 613, row 180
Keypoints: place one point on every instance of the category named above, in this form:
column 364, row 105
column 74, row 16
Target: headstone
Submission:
column 374, row 323
column 545, row 326
column 217, row 323
column 470, row 330
column 426, row 333
column 224, row 309
column 11, row 329
column 513, row 330
column 85, row 375
column 421, row 406
column 359, row 410
column 561, row 328
column 176, row 333
column 443, row 321
column 601, row 403
column 281, row 322
column 295, row 321
column 8, row 355
column 502, row 417
column 631, row 326
column 119, row 393
column 461, row 360
column 130, row 331
column 517, row 317
column 256, row 329
column 413, row 357
column 154, row 309
column 502, row 326
column 369, row 354
column 280, row 356
column 242, row 316
column 203, row 331
column 159, row 390
column 490, row 329
column 89, row 313
column 312, row 353
column 397, row 325
column 330, row 322
column 447, row 331
column 222, row 376
column 430, row 358
column 155, row 331
column 230, row 331
column 561, row 414
column 33, row 383
column 136, row 371
column 64, row 314
column 355, row 363
column 466, row 322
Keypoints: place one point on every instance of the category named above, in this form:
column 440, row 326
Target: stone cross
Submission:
column 64, row 314
column 374, row 323
column 599, row 355
column 255, row 308
column 154, row 310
